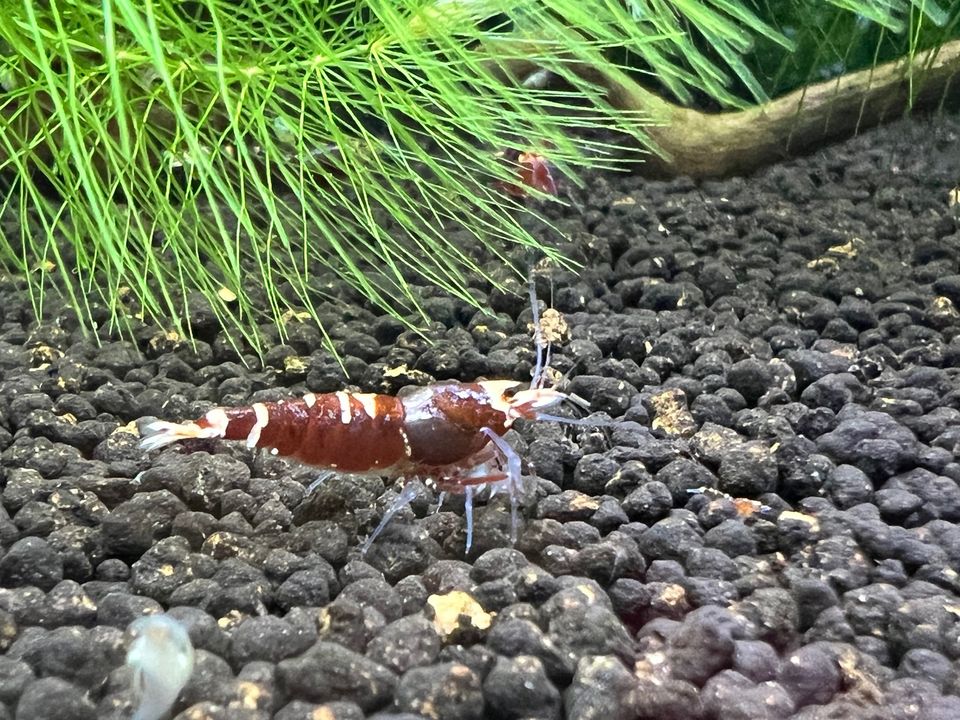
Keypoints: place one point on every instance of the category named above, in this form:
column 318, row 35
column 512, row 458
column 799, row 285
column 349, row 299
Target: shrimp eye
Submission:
column 511, row 392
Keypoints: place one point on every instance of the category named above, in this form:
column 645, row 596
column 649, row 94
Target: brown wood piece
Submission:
column 702, row 144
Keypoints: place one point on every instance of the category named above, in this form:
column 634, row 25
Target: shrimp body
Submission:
column 161, row 657
column 533, row 171
column 434, row 426
column 448, row 432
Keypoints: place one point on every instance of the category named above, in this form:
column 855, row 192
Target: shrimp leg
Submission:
column 513, row 481
column 406, row 496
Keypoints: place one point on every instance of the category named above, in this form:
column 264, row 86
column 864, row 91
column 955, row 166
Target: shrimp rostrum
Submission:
column 450, row 433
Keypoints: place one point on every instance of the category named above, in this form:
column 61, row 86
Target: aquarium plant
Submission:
column 259, row 159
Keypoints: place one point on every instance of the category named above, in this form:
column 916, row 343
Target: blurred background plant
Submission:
column 262, row 155
column 722, row 54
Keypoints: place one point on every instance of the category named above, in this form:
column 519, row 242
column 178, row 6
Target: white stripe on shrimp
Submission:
column 345, row 412
column 368, row 401
column 263, row 417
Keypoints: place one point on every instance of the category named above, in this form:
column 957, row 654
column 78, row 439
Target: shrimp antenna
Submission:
column 562, row 382
column 582, row 422
column 543, row 349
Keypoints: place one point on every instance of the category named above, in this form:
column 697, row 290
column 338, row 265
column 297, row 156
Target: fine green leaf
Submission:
column 266, row 155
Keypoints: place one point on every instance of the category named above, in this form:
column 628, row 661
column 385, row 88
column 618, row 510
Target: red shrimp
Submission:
column 450, row 433
column 533, row 171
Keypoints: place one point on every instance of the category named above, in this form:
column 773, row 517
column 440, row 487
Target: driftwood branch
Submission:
column 700, row 144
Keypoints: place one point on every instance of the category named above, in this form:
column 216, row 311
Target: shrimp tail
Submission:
column 161, row 433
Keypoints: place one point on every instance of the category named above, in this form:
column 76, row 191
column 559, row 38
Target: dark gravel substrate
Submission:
column 791, row 339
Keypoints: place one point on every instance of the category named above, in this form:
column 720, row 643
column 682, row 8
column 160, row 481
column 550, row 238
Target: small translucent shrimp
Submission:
column 161, row 657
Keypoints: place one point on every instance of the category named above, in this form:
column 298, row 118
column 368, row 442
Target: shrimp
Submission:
column 450, row 433
column 533, row 171
column 161, row 657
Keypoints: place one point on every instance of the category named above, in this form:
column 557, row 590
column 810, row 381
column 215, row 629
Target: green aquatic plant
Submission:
column 738, row 54
column 832, row 39
column 252, row 155
column 156, row 149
